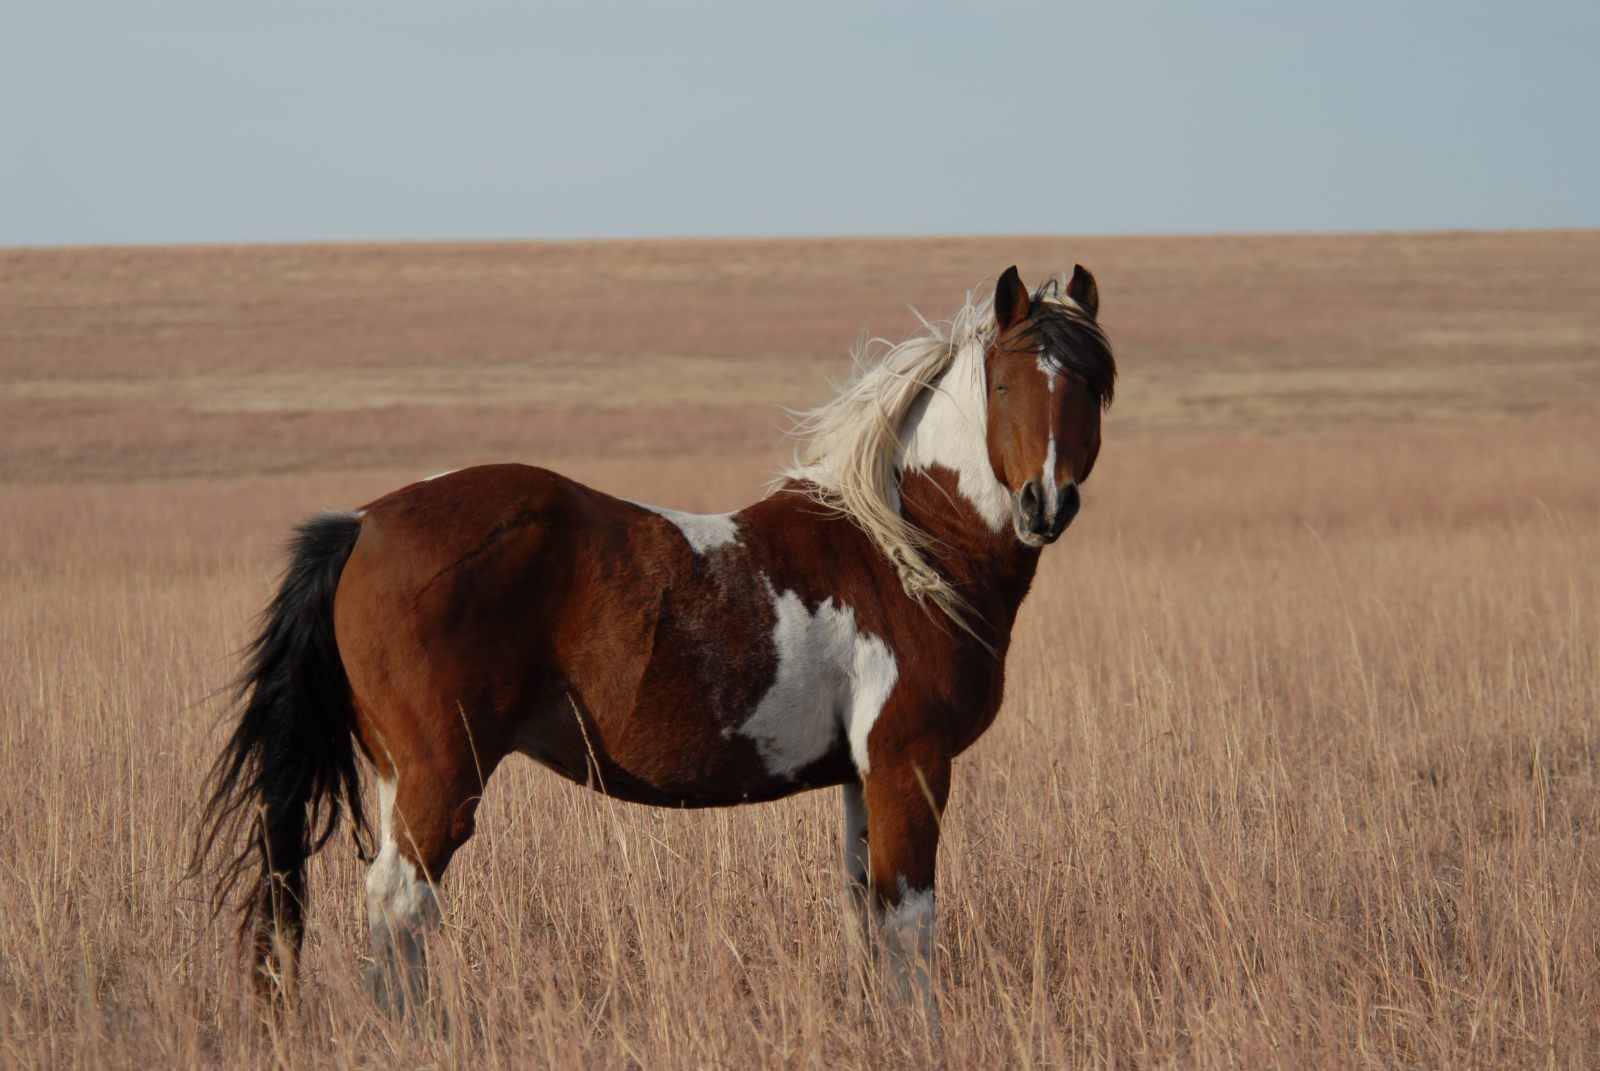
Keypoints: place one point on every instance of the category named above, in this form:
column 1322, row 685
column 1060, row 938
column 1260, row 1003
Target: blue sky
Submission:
column 214, row 122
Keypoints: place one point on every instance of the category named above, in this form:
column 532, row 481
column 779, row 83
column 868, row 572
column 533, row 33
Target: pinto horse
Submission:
column 850, row 629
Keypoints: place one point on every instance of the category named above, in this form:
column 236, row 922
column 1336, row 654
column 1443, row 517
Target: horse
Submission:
column 847, row 630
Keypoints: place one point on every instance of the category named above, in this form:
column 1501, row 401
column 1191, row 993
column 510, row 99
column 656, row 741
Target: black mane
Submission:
column 1074, row 343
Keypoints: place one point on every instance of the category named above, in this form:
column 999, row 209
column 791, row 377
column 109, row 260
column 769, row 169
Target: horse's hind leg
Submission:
column 427, row 808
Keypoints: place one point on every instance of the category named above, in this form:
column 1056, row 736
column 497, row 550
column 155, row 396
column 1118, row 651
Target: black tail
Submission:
column 276, row 789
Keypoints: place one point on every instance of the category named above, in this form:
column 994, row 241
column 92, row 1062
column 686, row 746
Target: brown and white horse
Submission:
column 667, row 658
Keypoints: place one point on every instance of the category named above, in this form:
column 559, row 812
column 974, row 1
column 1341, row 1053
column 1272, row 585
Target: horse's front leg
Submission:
column 905, row 794
column 858, row 907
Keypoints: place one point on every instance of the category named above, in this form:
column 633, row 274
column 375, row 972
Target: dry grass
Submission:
column 1298, row 767
column 135, row 363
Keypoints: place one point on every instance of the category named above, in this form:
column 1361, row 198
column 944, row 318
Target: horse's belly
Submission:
column 686, row 743
column 660, row 758
column 771, row 699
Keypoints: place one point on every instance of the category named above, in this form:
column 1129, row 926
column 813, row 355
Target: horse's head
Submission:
column 1049, row 374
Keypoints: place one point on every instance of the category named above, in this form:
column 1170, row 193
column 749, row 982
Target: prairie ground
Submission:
column 1298, row 761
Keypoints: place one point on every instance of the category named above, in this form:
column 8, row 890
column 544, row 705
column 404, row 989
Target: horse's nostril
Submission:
column 1030, row 504
column 1067, row 503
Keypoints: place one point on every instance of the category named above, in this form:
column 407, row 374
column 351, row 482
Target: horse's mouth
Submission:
column 1039, row 539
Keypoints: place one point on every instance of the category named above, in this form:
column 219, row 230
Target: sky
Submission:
column 201, row 121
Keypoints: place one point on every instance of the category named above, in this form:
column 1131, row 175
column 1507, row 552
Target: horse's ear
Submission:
column 1082, row 290
column 1011, row 301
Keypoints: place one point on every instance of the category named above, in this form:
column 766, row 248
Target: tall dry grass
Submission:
column 1297, row 767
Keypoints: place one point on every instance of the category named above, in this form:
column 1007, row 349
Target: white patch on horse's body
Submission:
column 875, row 674
column 947, row 426
column 704, row 531
column 401, row 908
column 830, row 677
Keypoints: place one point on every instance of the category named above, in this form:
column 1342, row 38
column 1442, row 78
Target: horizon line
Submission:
column 735, row 239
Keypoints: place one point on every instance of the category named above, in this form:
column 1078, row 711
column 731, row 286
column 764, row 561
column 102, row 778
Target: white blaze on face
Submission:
column 830, row 677
column 1048, row 483
column 705, row 532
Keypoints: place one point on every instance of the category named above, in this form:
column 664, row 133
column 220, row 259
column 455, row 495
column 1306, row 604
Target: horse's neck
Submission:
column 946, row 429
column 948, row 489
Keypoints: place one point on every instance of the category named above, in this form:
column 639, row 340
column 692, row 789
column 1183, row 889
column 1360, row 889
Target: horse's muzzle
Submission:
column 1038, row 524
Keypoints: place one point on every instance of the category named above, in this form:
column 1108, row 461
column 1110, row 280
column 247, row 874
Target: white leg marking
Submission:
column 829, row 676
column 857, row 914
column 909, row 930
column 855, row 833
column 401, row 909
column 704, row 532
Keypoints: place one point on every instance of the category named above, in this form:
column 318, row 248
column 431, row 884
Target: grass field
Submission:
column 1299, row 763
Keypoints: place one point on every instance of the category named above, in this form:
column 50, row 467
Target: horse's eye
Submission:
column 1001, row 388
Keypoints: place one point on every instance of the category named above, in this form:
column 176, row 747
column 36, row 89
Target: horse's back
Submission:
column 467, row 512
